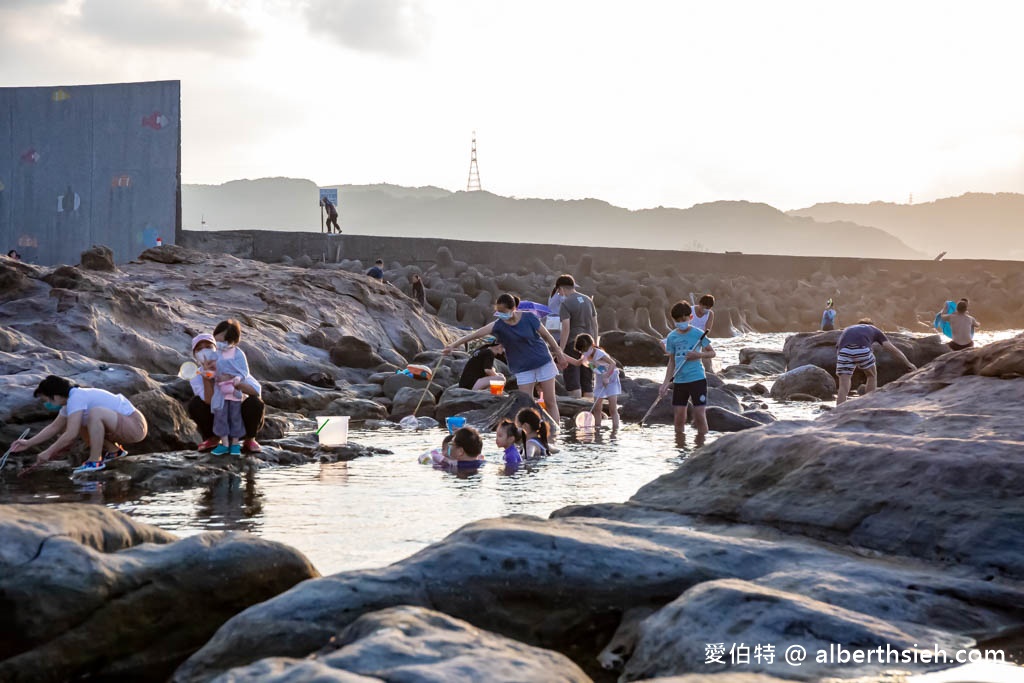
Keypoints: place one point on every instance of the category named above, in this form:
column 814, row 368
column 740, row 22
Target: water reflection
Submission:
column 231, row 503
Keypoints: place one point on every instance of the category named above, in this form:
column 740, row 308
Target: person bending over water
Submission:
column 606, row 378
column 961, row 325
column 535, row 433
column 685, row 372
column 853, row 351
column 102, row 419
column 532, row 353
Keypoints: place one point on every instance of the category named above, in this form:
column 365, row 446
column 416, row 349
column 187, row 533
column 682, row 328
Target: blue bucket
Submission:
column 454, row 423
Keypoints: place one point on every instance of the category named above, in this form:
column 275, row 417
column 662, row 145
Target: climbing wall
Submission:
column 84, row 165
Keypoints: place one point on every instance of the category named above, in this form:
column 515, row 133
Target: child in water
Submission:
column 232, row 369
column 606, row 384
column 506, row 437
column 464, row 448
column 535, row 433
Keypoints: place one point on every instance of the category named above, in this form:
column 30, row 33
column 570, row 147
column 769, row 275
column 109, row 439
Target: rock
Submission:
column 855, row 475
column 634, row 348
column 722, row 420
column 759, row 389
column 69, row 277
column 145, row 314
column 750, row 355
column 456, row 400
column 299, row 397
column 353, row 406
column 642, row 393
column 415, row 644
column 504, row 408
column 819, row 348
column 761, row 416
column 583, row 569
column 91, row 593
column 352, row 352
column 398, row 381
column 98, row 257
column 806, row 379
column 740, row 372
column 408, row 399
column 173, row 254
column 732, row 611
column 170, row 427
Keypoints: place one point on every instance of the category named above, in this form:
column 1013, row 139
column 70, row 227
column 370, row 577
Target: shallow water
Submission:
column 376, row 510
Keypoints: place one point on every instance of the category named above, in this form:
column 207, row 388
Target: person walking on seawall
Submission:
column 961, row 325
column 103, row 419
column 703, row 319
column 828, row 317
column 418, row 292
column 853, row 351
column 578, row 316
column 526, row 345
column 332, row 215
column 377, row 272
column 253, row 408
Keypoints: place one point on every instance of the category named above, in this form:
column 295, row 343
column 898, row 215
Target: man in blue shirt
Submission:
column 687, row 347
column 377, row 272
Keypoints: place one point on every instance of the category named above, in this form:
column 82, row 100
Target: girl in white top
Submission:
column 607, row 384
column 106, row 420
column 703, row 319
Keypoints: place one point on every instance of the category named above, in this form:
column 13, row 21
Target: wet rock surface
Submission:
column 89, row 593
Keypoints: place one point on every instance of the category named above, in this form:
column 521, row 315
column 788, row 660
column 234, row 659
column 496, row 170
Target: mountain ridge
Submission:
column 383, row 209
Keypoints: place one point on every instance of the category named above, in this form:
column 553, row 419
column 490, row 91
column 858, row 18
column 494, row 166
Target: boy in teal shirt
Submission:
column 687, row 348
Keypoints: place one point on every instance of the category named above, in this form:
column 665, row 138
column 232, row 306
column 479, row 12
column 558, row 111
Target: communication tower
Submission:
column 473, row 185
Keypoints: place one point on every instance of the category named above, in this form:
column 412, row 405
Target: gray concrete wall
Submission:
column 270, row 246
column 84, row 165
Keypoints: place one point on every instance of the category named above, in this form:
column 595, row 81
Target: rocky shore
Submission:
column 894, row 520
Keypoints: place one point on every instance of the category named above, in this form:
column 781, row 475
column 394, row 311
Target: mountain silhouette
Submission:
column 973, row 225
column 292, row 204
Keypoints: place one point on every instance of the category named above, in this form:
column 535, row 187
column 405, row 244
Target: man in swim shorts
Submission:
column 962, row 326
column 854, row 352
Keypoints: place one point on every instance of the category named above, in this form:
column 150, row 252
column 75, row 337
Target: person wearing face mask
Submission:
column 533, row 354
column 232, row 368
column 687, row 347
column 102, row 419
column 253, row 408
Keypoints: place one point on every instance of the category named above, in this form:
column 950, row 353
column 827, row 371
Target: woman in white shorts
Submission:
column 102, row 419
column 533, row 354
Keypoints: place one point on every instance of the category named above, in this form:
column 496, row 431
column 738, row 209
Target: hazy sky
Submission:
column 638, row 103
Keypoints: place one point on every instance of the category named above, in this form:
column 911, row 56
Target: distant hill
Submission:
column 973, row 225
column 291, row 204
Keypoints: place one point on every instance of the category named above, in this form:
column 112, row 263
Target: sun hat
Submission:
column 201, row 338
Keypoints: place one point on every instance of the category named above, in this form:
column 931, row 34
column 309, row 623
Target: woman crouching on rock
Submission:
column 527, row 345
column 202, row 390
column 100, row 418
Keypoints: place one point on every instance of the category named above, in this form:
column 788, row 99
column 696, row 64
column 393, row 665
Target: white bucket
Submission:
column 332, row 430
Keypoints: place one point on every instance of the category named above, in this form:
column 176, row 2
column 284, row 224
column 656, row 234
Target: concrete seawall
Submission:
column 634, row 288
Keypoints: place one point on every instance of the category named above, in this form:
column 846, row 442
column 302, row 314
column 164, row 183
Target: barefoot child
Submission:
column 507, row 437
column 606, row 383
column 685, row 372
column 535, row 433
column 232, row 369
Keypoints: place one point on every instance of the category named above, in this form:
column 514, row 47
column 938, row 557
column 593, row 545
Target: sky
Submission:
column 638, row 103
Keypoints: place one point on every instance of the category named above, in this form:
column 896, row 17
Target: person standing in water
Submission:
column 828, row 317
column 853, row 351
column 577, row 316
column 961, row 325
column 704, row 319
column 687, row 344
